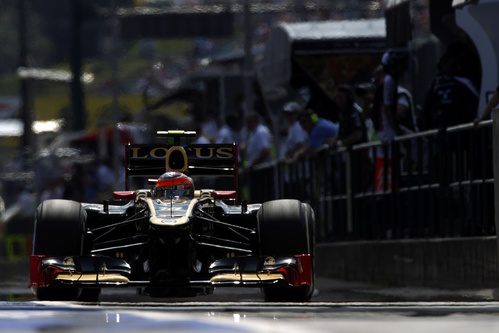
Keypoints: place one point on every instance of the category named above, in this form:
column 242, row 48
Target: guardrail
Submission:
column 437, row 183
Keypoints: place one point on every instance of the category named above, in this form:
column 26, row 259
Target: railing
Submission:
column 437, row 183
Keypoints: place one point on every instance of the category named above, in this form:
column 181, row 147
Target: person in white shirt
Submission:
column 259, row 141
column 394, row 65
column 297, row 136
column 406, row 111
column 229, row 132
column 201, row 138
column 209, row 128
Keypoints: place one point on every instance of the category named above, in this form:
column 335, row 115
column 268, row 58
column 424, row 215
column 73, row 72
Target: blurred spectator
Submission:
column 297, row 136
column 365, row 93
column 330, row 113
column 320, row 132
column 90, row 185
column 74, row 189
column 491, row 105
column 259, row 141
column 120, row 183
column 385, row 113
column 394, row 65
column 229, row 132
column 304, row 96
column 26, row 201
column 406, row 111
column 200, row 138
column 54, row 190
column 210, row 129
column 451, row 99
column 377, row 104
column 105, row 179
column 352, row 129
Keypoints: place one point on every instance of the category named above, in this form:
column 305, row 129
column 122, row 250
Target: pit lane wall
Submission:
column 440, row 263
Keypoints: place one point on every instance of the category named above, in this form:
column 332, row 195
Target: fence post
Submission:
column 276, row 175
column 444, row 227
column 495, row 155
column 349, row 192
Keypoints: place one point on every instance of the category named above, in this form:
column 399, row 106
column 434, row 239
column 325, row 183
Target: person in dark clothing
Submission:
column 352, row 129
column 365, row 92
column 452, row 99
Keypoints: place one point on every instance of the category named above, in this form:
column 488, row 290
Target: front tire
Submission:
column 59, row 231
column 286, row 228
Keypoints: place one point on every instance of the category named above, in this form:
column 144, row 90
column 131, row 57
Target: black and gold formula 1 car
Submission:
column 172, row 240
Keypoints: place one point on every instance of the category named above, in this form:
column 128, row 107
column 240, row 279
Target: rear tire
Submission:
column 59, row 231
column 286, row 228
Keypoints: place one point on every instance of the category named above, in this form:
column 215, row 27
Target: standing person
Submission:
column 351, row 126
column 406, row 111
column 297, row 136
column 452, row 99
column 200, row 137
column 106, row 179
column 320, row 132
column 54, row 189
column 259, row 144
column 374, row 112
column 385, row 109
column 229, row 132
column 394, row 65
column 209, row 128
column 295, row 140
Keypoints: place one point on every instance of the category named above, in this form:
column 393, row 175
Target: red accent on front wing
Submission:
column 297, row 275
column 302, row 273
column 41, row 277
column 35, row 270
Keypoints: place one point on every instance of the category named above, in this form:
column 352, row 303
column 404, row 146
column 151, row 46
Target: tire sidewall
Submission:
column 59, row 228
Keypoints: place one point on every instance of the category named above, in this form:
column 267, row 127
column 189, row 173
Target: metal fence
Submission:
column 437, row 183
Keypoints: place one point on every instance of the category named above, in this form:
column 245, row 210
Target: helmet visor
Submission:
column 169, row 192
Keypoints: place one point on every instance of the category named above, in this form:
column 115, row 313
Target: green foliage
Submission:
column 174, row 47
column 9, row 84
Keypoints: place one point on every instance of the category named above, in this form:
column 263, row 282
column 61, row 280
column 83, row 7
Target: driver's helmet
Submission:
column 173, row 185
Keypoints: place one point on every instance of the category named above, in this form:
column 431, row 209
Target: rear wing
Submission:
column 152, row 160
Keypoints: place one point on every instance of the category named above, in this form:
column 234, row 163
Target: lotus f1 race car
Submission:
column 172, row 240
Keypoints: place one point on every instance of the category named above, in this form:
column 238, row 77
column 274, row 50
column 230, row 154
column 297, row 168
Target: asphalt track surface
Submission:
column 336, row 307
column 338, row 317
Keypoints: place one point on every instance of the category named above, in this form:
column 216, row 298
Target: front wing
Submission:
column 101, row 271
